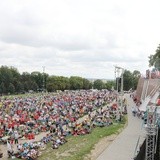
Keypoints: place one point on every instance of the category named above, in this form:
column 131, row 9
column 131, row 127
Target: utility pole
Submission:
column 117, row 77
column 43, row 89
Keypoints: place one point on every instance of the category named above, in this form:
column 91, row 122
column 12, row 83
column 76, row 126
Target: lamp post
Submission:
column 117, row 71
column 117, row 77
column 43, row 89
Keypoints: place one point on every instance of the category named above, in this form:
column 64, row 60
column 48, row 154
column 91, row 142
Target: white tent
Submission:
column 143, row 106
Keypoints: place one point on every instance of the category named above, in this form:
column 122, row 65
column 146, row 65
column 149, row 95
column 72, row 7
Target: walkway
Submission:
column 123, row 147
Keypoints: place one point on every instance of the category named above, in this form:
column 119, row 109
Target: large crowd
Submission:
column 55, row 114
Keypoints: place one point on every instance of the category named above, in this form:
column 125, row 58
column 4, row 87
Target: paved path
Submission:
column 123, row 147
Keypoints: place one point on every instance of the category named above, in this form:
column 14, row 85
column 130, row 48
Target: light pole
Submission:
column 117, row 71
column 43, row 89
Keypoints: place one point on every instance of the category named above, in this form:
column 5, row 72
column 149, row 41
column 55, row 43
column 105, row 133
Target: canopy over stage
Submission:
column 148, row 92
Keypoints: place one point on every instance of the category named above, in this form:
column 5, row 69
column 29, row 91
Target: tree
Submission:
column 29, row 82
column 109, row 85
column 15, row 72
column 3, row 88
column 16, row 78
column 154, row 59
column 64, row 83
column 76, row 82
column 127, row 80
column 6, row 77
column 25, row 77
column 50, row 87
column 26, row 86
column 11, row 81
column 11, row 88
column 98, row 84
column 57, row 83
column 37, row 77
column 33, row 86
column 136, row 75
column 19, row 87
column 130, row 79
column 86, row 84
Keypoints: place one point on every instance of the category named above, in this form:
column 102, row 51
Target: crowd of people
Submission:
column 25, row 117
column 135, row 108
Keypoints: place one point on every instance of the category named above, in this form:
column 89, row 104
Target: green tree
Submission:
column 52, row 84
column 26, row 85
column 50, row 87
column 127, row 80
column 6, row 77
column 57, row 83
column 109, row 85
column 63, row 83
column 3, row 88
column 33, row 86
column 136, row 75
column 37, row 77
column 19, row 87
column 28, row 82
column 25, row 77
column 154, row 59
column 131, row 79
column 86, row 84
column 16, row 78
column 11, row 88
column 76, row 82
column 98, row 84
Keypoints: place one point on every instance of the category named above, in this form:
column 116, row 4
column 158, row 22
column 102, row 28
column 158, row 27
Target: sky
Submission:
column 86, row 38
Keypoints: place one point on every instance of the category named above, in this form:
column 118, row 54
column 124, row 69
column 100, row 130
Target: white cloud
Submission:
column 85, row 38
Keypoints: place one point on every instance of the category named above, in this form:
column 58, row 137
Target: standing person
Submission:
column 133, row 110
column 1, row 154
column 9, row 149
column 16, row 136
column 12, row 138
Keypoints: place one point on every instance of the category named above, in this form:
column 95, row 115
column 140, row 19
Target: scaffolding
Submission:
column 119, row 70
column 151, row 134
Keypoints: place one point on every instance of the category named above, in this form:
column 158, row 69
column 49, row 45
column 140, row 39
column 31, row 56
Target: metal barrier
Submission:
column 141, row 154
column 157, row 154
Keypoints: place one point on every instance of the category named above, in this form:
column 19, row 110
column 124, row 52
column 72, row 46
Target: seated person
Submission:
column 55, row 145
column 63, row 140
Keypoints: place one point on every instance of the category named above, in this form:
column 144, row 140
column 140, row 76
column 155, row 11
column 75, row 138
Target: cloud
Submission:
column 85, row 38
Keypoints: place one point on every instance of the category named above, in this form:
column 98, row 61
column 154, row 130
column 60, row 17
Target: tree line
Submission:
column 12, row 82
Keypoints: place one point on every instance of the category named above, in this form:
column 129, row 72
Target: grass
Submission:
column 78, row 147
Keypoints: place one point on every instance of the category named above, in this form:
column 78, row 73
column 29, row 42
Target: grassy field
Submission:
column 78, row 147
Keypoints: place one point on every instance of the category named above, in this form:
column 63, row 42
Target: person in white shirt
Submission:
column 16, row 136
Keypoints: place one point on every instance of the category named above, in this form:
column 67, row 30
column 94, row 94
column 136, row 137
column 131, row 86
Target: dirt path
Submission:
column 100, row 147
